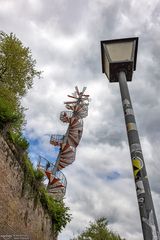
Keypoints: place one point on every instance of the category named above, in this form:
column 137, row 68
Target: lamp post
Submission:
column 118, row 63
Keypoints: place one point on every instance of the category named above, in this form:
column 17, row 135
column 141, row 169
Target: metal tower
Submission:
column 78, row 109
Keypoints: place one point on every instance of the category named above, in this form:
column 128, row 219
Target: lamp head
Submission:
column 119, row 55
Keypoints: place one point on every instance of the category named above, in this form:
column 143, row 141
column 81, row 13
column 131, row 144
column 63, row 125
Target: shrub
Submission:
column 33, row 180
column 56, row 209
column 8, row 108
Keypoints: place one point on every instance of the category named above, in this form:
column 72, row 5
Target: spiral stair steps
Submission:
column 57, row 195
column 83, row 114
column 81, row 110
column 60, row 185
column 54, row 191
column 67, row 150
column 73, row 140
column 74, row 122
column 75, row 133
column 80, row 114
column 59, row 191
column 59, row 168
column 75, row 129
column 66, row 157
column 55, row 180
column 63, row 117
column 48, row 174
column 67, row 161
column 78, row 109
column 65, row 147
column 64, row 164
column 54, row 188
column 70, row 107
column 55, row 184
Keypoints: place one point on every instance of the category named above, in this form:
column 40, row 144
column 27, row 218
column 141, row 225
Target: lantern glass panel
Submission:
column 121, row 51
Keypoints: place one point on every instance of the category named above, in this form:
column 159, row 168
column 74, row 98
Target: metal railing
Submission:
column 45, row 165
column 65, row 115
column 61, row 177
column 56, row 139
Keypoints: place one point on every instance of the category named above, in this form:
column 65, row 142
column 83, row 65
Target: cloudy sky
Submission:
column 64, row 37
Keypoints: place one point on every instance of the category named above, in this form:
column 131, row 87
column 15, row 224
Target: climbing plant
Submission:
column 33, row 184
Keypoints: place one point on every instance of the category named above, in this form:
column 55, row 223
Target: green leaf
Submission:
column 98, row 230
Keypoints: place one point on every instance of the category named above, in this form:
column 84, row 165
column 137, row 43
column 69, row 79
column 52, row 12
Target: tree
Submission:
column 17, row 70
column 98, row 230
column 11, row 113
column 17, row 67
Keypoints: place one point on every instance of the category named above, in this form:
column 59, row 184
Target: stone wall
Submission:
column 17, row 213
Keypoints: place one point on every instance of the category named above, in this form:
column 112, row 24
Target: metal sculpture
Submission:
column 56, row 181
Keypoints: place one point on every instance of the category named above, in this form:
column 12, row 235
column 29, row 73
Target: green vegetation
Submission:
column 33, row 183
column 17, row 67
column 11, row 113
column 56, row 209
column 98, row 230
column 19, row 140
column 17, row 71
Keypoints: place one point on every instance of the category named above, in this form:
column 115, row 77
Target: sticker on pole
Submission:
column 131, row 126
column 137, row 165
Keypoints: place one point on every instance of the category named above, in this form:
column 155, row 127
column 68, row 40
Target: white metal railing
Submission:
column 56, row 138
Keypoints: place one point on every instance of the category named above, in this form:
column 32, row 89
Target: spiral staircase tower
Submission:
column 78, row 109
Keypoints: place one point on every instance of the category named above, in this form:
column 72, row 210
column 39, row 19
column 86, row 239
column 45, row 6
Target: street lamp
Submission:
column 118, row 63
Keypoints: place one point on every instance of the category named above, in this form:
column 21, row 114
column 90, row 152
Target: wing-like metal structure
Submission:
column 78, row 109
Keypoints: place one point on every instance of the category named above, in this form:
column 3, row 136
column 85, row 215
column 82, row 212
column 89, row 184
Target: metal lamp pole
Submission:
column 118, row 63
column 146, row 208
